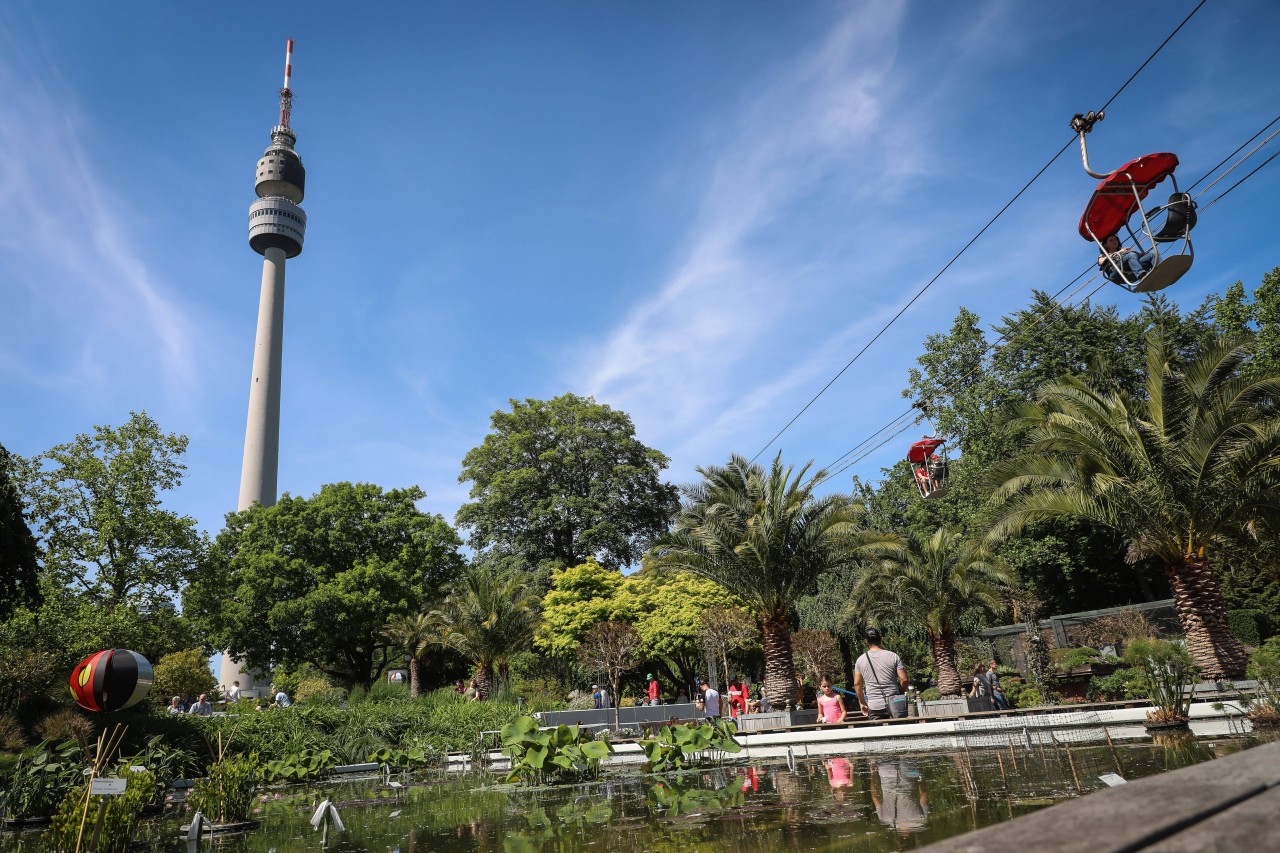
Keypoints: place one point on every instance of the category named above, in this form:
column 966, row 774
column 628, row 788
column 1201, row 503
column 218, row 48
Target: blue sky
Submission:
column 695, row 212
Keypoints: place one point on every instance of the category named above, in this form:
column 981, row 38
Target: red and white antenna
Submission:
column 286, row 94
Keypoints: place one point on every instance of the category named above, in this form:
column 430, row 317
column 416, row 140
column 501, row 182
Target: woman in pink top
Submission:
column 830, row 706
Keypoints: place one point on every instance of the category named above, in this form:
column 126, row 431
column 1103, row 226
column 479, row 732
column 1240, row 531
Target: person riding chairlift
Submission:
column 1123, row 265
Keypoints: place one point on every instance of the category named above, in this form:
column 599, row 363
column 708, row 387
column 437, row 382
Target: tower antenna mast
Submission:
column 286, row 94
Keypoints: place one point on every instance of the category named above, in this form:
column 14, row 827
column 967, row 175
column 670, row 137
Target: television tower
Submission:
column 276, row 228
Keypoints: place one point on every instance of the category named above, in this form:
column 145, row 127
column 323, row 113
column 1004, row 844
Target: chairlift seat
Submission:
column 1180, row 218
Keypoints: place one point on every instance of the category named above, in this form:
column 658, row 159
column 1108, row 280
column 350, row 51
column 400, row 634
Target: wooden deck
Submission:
column 1227, row 805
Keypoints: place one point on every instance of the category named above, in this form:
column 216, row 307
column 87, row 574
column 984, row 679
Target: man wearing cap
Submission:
column 878, row 677
column 710, row 700
column 653, row 689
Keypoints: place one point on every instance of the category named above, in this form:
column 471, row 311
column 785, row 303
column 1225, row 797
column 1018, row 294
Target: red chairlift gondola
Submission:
column 1139, row 268
column 929, row 465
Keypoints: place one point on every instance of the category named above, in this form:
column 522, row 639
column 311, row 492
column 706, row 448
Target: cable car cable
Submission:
column 837, row 465
column 973, row 240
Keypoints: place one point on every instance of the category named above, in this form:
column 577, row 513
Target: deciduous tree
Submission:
column 19, row 557
column 562, row 480
column 315, row 580
column 612, row 648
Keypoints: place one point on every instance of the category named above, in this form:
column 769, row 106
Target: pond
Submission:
column 871, row 803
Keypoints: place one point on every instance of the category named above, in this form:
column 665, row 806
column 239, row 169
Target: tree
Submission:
column 19, row 556
column 726, row 630
column 97, row 502
column 935, row 586
column 415, row 634
column 183, row 673
column 315, row 580
column 488, row 617
column 666, row 607
column 766, row 537
column 562, row 480
column 1176, row 473
column 816, row 653
column 611, row 648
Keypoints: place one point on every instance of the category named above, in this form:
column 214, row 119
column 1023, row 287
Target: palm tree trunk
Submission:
column 944, row 658
column 415, row 676
column 779, row 668
column 1203, row 613
column 484, row 680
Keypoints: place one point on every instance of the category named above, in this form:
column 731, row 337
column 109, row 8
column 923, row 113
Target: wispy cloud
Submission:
column 83, row 305
column 814, row 129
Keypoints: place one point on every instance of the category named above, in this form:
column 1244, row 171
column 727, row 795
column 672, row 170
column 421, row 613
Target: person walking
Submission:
column 997, row 691
column 233, row 693
column 710, row 700
column 654, row 690
column 879, row 679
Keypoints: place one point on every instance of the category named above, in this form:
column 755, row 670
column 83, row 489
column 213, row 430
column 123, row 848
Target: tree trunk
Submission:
column 1203, row 613
column 846, row 658
column 944, row 658
column 779, row 669
column 415, row 677
column 484, row 680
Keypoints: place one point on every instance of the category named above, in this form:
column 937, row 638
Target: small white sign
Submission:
column 1113, row 779
column 138, row 768
column 108, row 787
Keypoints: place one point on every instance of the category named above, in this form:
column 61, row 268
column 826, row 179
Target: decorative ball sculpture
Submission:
column 110, row 680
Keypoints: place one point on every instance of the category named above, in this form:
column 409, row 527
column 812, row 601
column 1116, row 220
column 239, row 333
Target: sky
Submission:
column 695, row 212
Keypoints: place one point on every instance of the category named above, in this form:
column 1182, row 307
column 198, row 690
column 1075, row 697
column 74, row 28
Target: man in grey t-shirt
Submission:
column 878, row 676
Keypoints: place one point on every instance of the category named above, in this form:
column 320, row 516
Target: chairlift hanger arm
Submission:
column 1082, row 124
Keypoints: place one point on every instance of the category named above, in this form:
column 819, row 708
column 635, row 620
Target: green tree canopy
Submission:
column 315, row 580
column 665, row 607
column 1177, row 472
column 97, row 503
column 562, row 480
column 19, row 556
column 489, row 616
column 766, row 537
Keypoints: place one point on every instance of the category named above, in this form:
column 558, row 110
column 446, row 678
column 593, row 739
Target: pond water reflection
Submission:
column 858, row 803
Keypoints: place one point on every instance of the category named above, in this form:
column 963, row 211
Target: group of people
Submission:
column 986, row 682
column 468, row 691
column 198, row 708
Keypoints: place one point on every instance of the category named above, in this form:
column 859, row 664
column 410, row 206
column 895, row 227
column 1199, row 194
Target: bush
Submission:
column 226, row 796
column 185, row 673
column 67, row 724
column 1124, row 683
column 1166, row 670
column 1069, row 659
column 1028, row 697
column 119, row 816
column 930, row 695
column 11, row 737
column 1249, row 626
column 1264, row 664
column 316, row 690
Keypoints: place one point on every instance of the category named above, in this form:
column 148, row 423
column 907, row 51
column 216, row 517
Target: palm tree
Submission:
column 936, row 584
column 766, row 537
column 489, row 616
column 1177, row 474
column 415, row 634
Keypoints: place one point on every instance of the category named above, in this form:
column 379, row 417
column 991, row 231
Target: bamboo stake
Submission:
column 1114, row 755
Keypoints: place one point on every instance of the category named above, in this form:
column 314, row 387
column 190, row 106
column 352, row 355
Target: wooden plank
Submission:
column 1250, row 825
column 1134, row 816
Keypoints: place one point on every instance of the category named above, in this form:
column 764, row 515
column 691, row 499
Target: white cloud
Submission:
column 83, row 305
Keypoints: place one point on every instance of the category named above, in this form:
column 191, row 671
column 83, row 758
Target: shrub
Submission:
column 1124, row 683
column 932, row 694
column 1249, row 626
column 1069, row 659
column 316, row 690
column 1030, row 697
column 41, row 777
column 184, row 673
column 66, row 724
column 1264, row 664
column 1167, row 670
column 11, row 737
column 226, row 796
column 119, row 815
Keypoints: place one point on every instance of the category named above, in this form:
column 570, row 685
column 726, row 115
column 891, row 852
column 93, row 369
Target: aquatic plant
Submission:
column 561, row 754
column 301, row 766
column 41, row 777
column 674, row 747
column 78, row 815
